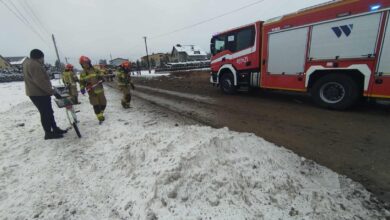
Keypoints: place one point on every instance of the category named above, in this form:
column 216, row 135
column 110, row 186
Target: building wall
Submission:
column 157, row 60
column 4, row 64
column 179, row 57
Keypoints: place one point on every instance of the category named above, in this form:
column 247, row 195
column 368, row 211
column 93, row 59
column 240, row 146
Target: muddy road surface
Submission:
column 355, row 143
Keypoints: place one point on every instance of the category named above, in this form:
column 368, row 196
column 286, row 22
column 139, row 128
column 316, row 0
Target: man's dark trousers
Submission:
column 43, row 103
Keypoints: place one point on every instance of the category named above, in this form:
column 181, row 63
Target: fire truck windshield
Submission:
column 217, row 44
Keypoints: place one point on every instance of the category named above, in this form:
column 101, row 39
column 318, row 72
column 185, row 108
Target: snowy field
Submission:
column 145, row 163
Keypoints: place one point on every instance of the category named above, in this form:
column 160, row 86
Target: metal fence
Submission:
column 184, row 66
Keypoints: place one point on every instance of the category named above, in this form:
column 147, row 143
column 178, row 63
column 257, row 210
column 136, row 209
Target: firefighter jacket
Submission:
column 124, row 78
column 92, row 80
column 69, row 78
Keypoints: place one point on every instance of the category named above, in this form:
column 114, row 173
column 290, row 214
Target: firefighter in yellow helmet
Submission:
column 125, row 83
column 91, row 81
column 70, row 80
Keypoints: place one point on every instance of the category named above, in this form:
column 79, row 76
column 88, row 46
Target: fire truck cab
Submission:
column 337, row 51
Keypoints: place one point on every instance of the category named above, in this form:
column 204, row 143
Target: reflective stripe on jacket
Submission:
column 89, row 79
column 69, row 78
column 123, row 78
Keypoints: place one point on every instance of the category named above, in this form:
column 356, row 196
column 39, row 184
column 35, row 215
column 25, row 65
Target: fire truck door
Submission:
column 286, row 59
column 381, row 87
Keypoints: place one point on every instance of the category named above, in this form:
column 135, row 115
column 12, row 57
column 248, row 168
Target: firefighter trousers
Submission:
column 99, row 103
column 126, row 99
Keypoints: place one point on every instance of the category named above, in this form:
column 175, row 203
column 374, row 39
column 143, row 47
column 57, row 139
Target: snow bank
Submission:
column 12, row 94
column 146, row 74
column 143, row 163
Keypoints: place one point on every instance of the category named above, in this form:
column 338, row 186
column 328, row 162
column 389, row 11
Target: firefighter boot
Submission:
column 123, row 104
column 100, row 117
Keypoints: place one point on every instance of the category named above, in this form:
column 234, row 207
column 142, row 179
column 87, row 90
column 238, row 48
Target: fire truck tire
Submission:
column 335, row 91
column 227, row 84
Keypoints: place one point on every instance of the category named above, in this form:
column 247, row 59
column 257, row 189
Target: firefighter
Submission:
column 70, row 80
column 110, row 75
column 125, row 83
column 138, row 68
column 104, row 70
column 91, row 81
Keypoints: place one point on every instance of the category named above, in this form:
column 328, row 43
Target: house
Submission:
column 16, row 61
column 117, row 62
column 156, row 59
column 185, row 53
column 4, row 64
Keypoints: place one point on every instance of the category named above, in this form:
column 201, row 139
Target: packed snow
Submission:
column 147, row 163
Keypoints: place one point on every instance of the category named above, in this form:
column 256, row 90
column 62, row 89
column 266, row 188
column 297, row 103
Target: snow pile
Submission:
column 143, row 163
column 12, row 94
column 203, row 173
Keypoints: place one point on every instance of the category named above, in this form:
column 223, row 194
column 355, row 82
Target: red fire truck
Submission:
column 337, row 51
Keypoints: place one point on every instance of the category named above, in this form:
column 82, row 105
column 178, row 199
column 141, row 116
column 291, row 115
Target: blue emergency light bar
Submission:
column 375, row 7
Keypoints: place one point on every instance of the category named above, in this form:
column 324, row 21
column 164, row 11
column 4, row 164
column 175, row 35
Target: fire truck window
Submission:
column 231, row 42
column 245, row 39
column 219, row 43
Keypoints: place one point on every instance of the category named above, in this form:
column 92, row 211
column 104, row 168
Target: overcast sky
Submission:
column 98, row 28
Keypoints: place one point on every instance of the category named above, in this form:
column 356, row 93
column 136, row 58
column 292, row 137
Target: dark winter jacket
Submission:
column 36, row 79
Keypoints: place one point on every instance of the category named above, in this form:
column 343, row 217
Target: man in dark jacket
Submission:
column 40, row 90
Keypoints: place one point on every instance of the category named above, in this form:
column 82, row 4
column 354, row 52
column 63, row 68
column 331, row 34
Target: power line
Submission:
column 20, row 19
column 28, row 8
column 25, row 22
column 207, row 20
column 19, row 13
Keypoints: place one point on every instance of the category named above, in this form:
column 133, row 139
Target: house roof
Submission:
column 16, row 60
column 117, row 61
column 2, row 58
column 190, row 50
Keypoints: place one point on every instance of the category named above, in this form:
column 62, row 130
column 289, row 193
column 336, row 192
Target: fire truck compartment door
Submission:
column 286, row 51
column 384, row 63
column 349, row 38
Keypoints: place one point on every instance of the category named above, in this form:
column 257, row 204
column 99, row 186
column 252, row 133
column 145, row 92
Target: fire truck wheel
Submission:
column 227, row 84
column 335, row 91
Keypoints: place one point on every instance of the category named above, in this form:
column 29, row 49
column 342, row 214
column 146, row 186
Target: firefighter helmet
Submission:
column 69, row 67
column 125, row 65
column 84, row 59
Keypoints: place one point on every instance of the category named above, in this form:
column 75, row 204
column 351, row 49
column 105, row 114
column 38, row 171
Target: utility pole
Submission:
column 58, row 56
column 147, row 54
column 110, row 56
column 66, row 60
